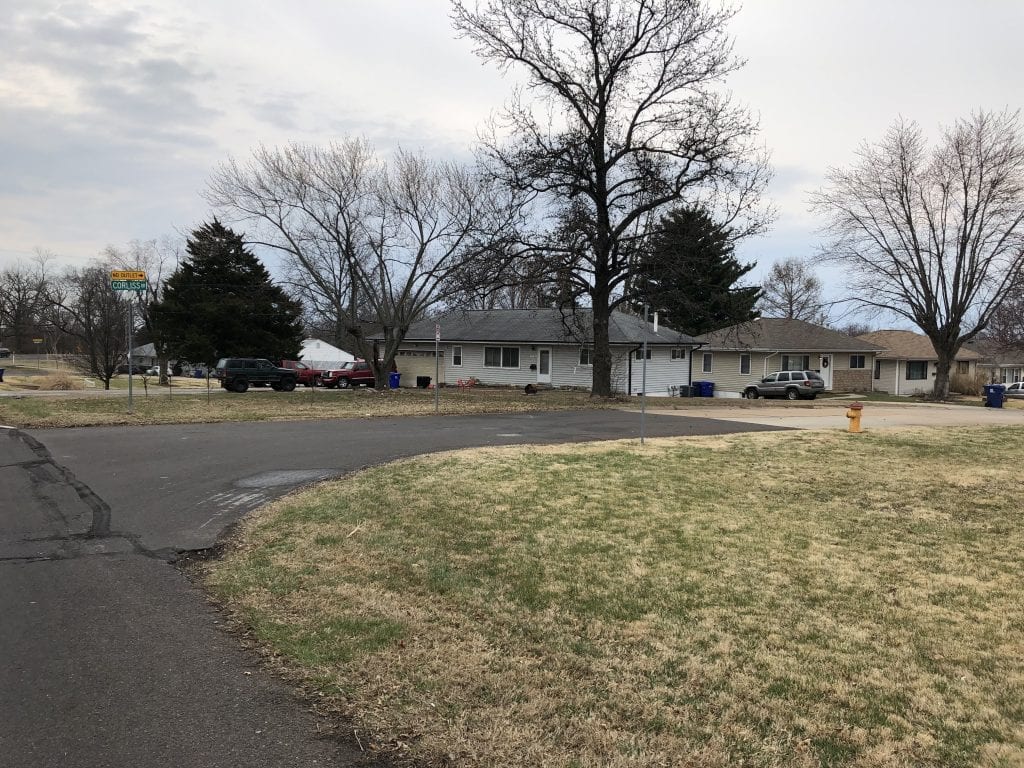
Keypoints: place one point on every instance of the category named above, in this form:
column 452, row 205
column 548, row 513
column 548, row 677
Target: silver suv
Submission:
column 791, row 385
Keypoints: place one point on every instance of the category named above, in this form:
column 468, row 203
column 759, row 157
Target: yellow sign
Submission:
column 122, row 274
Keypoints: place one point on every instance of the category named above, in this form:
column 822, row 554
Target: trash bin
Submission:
column 684, row 390
column 198, row 373
column 422, row 382
column 707, row 388
column 393, row 379
column 1, row 375
column 994, row 395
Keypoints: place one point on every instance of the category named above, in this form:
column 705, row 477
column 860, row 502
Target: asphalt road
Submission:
column 111, row 659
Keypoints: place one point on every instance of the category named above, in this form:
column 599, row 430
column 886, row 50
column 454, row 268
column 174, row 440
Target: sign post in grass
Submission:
column 129, row 280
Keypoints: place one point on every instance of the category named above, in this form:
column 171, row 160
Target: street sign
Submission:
column 437, row 332
column 37, row 341
column 128, row 280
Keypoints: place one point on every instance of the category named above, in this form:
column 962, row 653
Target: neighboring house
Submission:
column 548, row 347
column 144, row 356
column 908, row 362
column 998, row 364
column 320, row 354
column 743, row 354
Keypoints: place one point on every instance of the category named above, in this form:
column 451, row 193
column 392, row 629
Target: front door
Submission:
column 826, row 370
column 544, row 366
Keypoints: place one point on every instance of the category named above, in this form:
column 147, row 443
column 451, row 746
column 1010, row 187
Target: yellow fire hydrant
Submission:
column 853, row 414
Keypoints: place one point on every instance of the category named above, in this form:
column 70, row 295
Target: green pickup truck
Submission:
column 236, row 374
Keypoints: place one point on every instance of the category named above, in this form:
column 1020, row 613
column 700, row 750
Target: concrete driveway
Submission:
column 874, row 415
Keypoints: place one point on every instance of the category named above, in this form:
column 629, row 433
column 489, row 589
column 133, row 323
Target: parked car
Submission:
column 353, row 374
column 4, row 352
column 791, row 385
column 306, row 375
column 237, row 373
column 1014, row 390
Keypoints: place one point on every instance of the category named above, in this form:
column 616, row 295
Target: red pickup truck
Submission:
column 353, row 374
column 305, row 375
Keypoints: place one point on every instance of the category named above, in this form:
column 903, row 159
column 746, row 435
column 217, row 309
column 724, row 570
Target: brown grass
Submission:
column 59, row 382
column 762, row 600
column 159, row 407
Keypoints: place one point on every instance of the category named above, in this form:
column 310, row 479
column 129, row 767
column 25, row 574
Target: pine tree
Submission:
column 221, row 301
column 689, row 272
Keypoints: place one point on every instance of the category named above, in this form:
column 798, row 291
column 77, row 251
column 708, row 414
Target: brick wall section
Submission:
column 851, row 380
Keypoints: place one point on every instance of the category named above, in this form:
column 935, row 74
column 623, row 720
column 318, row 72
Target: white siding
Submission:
column 663, row 373
column 726, row 370
column 566, row 371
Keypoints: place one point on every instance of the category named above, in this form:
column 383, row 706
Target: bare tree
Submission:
column 82, row 305
column 792, row 291
column 1006, row 328
column 22, row 288
column 371, row 242
column 935, row 236
column 629, row 118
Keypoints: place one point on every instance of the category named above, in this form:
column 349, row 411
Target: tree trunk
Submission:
column 945, row 363
column 602, row 372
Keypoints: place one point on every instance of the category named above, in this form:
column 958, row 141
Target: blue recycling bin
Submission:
column 994, row 395
column 707, row 388
column 1, row 375
column 393, row 379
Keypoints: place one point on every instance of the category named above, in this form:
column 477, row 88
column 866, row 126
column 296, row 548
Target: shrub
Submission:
column 60, row 382
column 965, row 384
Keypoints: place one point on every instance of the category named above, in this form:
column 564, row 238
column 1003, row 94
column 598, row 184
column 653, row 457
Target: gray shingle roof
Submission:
column 780, row 334
column 541, row 326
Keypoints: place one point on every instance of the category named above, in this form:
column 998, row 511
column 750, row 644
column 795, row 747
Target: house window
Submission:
column 708, row 361
column 744, row 363
column 639, row 354
column 857, row 361
column 917, row 370
column 679, row 354
column 457, row 357
column 586, row 355
column 796, row 362
column 963, row 366
column 878, row 369
column 501, row 357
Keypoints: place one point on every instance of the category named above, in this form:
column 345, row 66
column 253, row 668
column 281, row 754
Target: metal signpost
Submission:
column 37, row 342
column 437, row 367
column 129, row 280
column 643, row 380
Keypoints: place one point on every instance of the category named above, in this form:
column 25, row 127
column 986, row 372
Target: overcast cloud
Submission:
column 113, row 113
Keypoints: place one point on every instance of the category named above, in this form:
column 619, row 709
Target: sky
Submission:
column 113, row 114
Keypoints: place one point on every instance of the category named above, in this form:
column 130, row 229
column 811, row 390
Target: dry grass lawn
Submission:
column 195, row 408
column 776, row 599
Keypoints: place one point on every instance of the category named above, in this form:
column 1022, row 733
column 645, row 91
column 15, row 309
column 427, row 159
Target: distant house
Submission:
column 547, row 347
column 144, row 356
column 908, row 362
column 998, row 363
column 320, row 354
column 743, row 354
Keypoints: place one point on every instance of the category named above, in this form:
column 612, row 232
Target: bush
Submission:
column 60, row 382
column 965, row 384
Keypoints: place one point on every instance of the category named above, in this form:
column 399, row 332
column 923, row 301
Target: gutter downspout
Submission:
column 629, row 383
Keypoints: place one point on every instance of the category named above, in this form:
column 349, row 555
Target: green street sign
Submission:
column 128, row 285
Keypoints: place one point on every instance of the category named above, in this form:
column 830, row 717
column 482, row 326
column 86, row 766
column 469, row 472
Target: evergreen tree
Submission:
column 221, row 302
column 689, row 271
